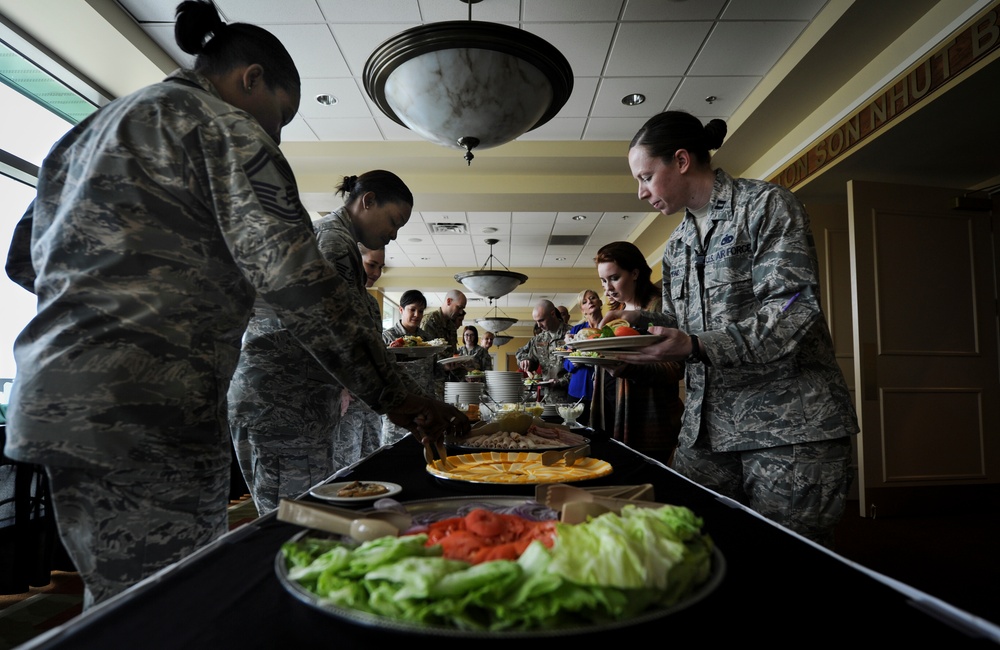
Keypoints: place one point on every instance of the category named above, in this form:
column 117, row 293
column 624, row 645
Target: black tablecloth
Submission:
column 776, row 586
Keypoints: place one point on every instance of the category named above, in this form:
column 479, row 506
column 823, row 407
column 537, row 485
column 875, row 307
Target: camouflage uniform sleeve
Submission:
column 19, row 267
column 524, row 352
column 784, row 266
column 268, row 234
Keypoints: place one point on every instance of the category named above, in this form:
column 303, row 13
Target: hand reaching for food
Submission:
column 429, row 419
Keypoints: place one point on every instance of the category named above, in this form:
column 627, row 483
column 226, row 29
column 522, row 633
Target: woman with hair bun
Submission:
column 156, row 223
column 284, row 408
column 768, row 418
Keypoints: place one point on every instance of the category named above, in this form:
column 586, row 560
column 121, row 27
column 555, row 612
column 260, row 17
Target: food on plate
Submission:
column 589, row 353
column 408, row 342
column 626, row 330
column 586, row 333
column 536, row 437
column 611, row 568
column 359, row 489
column 416, row 341
column 618, row 322
column 483, row 535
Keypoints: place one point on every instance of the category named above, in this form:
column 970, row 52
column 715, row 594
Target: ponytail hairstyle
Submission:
column 386, row 186
column 219, row 47
column 664, row 133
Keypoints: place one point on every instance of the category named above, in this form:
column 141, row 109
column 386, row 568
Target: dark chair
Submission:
column 29, row 543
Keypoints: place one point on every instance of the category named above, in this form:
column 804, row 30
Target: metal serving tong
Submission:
column 568, row 456
column 437, row 448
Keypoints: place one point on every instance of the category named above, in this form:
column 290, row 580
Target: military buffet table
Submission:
column 775, row 585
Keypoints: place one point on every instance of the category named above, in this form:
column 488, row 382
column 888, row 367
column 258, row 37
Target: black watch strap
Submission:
column 695, row 356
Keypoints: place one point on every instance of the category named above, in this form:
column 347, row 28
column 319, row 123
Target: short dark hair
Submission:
column 412, row 296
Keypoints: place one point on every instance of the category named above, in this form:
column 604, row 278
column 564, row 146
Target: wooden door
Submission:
column 925, row 342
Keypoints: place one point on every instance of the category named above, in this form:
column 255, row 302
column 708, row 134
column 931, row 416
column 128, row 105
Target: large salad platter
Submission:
column 710, row 574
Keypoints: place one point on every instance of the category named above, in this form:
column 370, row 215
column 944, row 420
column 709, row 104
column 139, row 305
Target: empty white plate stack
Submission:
column 462, row 392
column 504, row 385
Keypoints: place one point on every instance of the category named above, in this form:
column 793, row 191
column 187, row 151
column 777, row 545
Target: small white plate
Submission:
column 450, row 360
column 329, row 491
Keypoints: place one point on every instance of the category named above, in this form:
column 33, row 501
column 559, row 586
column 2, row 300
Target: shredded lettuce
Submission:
column 610, row 568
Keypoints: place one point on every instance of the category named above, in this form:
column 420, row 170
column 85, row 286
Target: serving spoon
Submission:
column 363, row 528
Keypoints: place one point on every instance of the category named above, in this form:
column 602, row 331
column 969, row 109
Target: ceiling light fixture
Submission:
column 491, row 283
column 501, row 339
column 495, row 323
column 579, row 217
column 634, row 99
column 326, row 100
column 468, row 84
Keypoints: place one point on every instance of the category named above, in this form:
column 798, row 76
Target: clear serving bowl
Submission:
column 570, row 412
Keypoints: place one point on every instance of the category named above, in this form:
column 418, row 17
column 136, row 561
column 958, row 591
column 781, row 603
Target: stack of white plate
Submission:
column 550, row 410
column 462, row 392
column 504, row 385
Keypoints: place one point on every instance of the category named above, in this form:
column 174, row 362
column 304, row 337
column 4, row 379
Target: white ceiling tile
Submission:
column 313, row 49
column 359, row 41
column 146, row 11
column 613, row 128
column 729, row 93
column 585, row 45
column 350, row 102
column 392, row 130
column 581, row 99
column 657, row 10
column 534, row 217
column 558, row 128
column 572, row 10
column 298, row 131
column 369, row 11
column 502, row 11
column 655, row 48
column 492, row 218
column 778, row 9
column 658, row 91
column 261, row 12
column 745, row 48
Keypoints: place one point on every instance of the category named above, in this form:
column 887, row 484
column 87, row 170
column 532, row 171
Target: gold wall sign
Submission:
column 972, row 43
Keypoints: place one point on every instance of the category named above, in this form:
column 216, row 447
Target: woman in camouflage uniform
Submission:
column 283, row 405
column 157, row 221
column 768, row 417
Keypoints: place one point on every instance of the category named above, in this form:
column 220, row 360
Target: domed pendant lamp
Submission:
column 468, row 84
column 495, row 323
column 491, row 283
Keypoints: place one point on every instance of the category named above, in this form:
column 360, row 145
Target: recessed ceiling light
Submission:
column 326, row 100
column 634, row 99
column 579, row 217
column 560, row 259
column 489, row 230
column 711, row 99
column 415, row 240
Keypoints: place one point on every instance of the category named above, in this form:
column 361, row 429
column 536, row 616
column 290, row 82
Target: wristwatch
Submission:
column 695, row 356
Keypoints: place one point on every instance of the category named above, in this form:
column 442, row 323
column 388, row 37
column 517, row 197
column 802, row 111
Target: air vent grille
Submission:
column 568, row 240
column 448, row 228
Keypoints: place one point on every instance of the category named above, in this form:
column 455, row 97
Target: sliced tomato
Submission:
column 624, row 330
